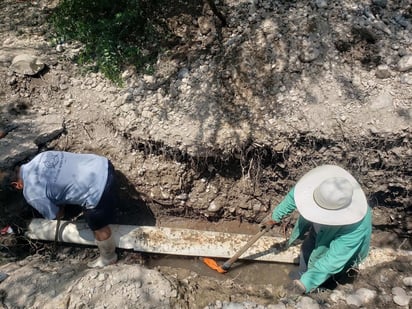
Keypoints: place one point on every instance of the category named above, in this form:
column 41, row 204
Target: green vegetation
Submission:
column 113, row 33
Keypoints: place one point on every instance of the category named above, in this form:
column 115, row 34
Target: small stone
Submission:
column 244, row 205
column 337, row 295
column 182, row 196
column 127, row 74
column 401, row 300
column 405, row 64
column 382, row 71
column 398, row 291
column 407, row 281
column 354, row 300
column 3, row 276
column 400, row 297
column 63, row 86
column 214, row 207
column 406, row 79
column 183, row 73
column 230, row 305
column 277, row 306
column 366, row 295
column 307, row 303
column 321, row 3
column 149, row 79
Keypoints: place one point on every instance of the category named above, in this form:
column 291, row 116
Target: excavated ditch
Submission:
column 233, row 194
column 242, row 189
column 164, row 186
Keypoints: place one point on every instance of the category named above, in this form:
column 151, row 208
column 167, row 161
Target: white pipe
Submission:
column 165, row 240
column 188, row 242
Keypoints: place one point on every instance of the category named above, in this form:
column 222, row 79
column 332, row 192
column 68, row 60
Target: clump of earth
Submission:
column 227, row 123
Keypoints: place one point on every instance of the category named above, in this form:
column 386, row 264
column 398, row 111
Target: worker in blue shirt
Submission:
column 337, row 219
column 53, row 179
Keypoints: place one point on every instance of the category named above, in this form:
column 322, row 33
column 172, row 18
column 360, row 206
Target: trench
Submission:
column 255, row 178
column 242, row 271
column 380, row 163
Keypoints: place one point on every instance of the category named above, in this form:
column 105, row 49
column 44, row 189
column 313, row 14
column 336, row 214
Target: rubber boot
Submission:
column 107, row 253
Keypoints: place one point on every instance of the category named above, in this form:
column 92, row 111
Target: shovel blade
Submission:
column 213, row 265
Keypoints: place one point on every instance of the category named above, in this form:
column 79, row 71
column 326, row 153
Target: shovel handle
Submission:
column 251, row 241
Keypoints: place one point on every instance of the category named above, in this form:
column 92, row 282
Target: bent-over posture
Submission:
column 53, row 179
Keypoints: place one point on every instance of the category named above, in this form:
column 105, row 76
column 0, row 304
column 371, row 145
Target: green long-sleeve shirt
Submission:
column 337, row 248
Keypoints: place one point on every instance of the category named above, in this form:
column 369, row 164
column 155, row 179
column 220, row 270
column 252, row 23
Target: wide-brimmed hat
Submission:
column 330, row 195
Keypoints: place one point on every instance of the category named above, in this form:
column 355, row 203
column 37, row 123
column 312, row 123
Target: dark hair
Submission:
column 7, row 177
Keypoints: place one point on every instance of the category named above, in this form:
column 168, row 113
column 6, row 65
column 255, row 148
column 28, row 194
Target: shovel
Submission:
column 226, row 266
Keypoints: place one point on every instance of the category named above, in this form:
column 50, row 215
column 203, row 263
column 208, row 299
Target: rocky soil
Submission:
column 230, row 119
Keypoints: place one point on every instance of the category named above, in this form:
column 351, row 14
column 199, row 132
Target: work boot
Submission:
column 107, row 253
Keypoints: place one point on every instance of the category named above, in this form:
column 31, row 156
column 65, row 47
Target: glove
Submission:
column 267, row 224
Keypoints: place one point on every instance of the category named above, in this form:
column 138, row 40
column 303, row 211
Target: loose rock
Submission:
column 354, row 300
column 382, row 71
column 405, row 64
column 407, row 281
column 307, row 303
column 27, row 64
column 400, row 297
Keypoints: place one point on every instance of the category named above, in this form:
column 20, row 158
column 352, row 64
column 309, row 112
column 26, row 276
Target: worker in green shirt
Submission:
column 337, row 220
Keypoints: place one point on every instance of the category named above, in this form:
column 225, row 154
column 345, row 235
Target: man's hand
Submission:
column 267, row 224
column 293, row 289
column 60, row 214
column 298, row 287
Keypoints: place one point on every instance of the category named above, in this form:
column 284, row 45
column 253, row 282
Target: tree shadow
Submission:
column 264, row 59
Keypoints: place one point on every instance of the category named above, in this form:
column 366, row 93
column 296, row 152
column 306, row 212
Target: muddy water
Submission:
column 248, row 272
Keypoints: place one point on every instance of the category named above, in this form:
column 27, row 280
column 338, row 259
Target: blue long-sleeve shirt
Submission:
column 336, row 247
column 54, row 178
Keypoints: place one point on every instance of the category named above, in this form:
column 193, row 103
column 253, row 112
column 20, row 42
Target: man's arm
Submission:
column 45, row 207
column 285, row 207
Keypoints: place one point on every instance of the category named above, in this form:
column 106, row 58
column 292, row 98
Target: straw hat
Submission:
column 330, row 195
